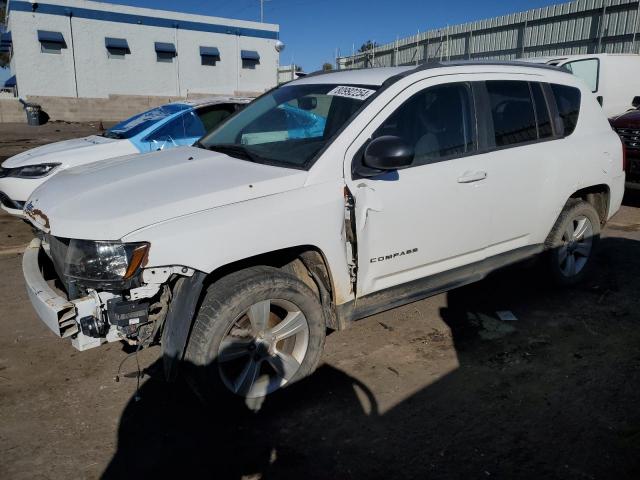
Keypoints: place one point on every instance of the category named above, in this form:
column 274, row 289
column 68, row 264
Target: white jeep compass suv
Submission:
column 238, row 253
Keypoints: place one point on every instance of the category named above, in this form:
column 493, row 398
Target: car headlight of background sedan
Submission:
column 104, row 261
column 29, row 171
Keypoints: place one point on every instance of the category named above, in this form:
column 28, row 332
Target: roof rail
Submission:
column 433, row 65
column 498, row 63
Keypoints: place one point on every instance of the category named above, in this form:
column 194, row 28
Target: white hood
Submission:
column 73, row 152
column 107, row 200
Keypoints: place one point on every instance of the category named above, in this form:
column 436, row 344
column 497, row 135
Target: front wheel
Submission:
column 572, row 242
column 257, row 331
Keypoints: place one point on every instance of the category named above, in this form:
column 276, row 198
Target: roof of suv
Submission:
column 377, row 76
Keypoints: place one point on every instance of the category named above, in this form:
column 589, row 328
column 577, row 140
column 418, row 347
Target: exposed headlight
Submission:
column 30, row 171
column 104, row 261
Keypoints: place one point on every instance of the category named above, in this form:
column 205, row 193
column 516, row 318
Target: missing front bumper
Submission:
column 56, row 311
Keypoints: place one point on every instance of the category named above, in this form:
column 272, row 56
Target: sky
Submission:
column 312, row 30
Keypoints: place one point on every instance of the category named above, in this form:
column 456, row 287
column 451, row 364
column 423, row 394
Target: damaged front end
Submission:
column 97, row 292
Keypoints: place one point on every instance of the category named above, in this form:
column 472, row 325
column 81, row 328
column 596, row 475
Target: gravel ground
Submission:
column 438, row 389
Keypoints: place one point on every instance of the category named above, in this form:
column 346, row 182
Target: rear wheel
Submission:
column 257, row 331
column 572, row 242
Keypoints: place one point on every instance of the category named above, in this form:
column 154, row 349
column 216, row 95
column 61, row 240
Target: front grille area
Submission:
column 633, row 173
column 630, row 137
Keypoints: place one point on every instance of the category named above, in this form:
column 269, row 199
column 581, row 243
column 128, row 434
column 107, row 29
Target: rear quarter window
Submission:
column 568, row 102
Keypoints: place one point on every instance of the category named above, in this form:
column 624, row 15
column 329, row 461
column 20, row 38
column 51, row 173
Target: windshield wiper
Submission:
column 236, row 151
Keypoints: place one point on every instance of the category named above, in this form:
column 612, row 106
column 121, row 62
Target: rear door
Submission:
column 520, row 166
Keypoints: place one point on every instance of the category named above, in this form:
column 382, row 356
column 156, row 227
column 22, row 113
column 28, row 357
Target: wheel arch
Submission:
column 599, row 196
column 307, row 262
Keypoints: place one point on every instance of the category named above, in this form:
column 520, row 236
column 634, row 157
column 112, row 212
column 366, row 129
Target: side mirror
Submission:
column 636, row 102
column 388, row 153
column 600, row 100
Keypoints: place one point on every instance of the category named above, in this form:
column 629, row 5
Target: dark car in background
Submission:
column 627, row 126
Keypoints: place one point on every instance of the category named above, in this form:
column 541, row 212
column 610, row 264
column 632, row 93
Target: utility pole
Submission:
column 262, row 10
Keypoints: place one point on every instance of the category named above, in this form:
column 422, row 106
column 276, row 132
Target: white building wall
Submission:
column 40, row 73
column 139, row 73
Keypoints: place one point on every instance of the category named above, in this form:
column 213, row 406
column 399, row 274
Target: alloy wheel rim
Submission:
column 577, row 242
column 263, row 348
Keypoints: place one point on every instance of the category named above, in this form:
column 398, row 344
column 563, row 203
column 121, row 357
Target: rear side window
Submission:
column 542, row 111
column 568, row 102
column 514, row 118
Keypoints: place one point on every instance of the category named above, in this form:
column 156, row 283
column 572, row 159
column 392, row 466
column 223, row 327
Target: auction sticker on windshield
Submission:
column 352, row 92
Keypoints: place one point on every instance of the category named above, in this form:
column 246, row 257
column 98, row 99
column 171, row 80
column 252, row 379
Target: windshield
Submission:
column 290, row 125
column 136, row 124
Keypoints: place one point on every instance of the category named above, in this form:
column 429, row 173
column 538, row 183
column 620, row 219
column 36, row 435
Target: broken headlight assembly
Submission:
column 102, row 262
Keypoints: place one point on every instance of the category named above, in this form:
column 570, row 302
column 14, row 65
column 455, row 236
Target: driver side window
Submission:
column 437, row 122
column 179, row 131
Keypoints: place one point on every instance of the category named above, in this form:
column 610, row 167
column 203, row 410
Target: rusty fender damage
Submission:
column 179, row 320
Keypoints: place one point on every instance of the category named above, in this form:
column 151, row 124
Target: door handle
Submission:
column 472, row 177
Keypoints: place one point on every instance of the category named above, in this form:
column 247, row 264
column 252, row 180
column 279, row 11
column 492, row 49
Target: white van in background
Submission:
column 613, row 78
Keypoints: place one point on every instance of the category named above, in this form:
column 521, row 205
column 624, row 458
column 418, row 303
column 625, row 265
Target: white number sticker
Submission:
column 352, row 92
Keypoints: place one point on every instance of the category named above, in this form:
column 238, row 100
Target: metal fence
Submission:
column 580, row 27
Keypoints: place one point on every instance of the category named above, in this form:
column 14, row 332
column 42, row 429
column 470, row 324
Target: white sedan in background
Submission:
column 171, row 125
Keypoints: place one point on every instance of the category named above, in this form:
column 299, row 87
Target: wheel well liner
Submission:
column 598, row 196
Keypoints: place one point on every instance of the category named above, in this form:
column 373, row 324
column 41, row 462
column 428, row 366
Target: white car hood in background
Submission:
column 109, row 199
column 73, row 152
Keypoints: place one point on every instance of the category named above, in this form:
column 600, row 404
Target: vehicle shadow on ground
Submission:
column 554, row 395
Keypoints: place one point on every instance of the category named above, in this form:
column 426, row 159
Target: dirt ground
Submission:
column 439, row 389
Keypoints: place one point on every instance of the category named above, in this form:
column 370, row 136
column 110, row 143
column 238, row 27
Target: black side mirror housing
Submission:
column 636, row 102
column 388, row 153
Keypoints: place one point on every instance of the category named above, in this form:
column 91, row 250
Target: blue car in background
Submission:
column 175, row 124
column 168, row 126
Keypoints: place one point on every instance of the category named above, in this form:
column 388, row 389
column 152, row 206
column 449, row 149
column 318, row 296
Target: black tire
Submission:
column 574, row 211
column 229, row 299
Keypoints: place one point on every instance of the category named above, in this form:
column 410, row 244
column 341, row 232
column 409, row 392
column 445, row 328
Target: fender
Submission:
column 178, row 322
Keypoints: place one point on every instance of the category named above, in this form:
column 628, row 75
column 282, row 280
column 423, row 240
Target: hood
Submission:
column 630, row 119
column 109, row 199
column 72, row 152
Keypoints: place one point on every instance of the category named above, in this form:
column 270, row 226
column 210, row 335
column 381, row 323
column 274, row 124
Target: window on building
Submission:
column 117, row 47
column 51, row 42
column 514, row 119
column 587, row 70
column 542, row 111
column 250, row 58
column 568, row 102
column 6, row 43
column 438, row 122
column 209, row 56
column 165, row 52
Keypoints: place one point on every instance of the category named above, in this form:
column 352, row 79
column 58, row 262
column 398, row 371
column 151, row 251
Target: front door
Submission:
column 433, row 216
